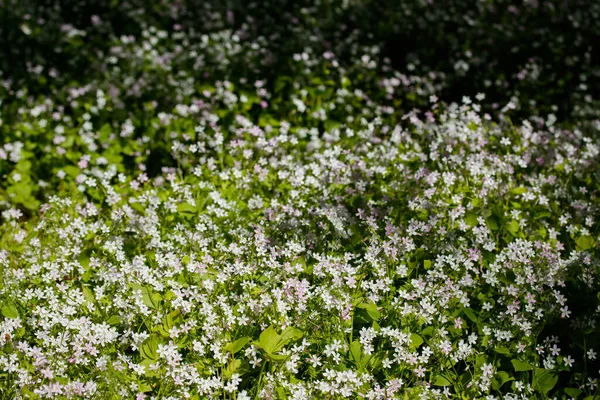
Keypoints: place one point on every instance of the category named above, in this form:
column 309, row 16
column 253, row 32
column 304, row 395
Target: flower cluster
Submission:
column 228, row 212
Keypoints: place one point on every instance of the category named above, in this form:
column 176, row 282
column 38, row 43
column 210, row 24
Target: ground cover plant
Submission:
column 280, row 200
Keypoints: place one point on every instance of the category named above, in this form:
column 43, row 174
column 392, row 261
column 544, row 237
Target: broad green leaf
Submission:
column 23, row 166
column 428, row 331
column 331, row 125
column 573, row 392
column 87, row 293
column 149, row 347
column 84, row 258
column 585, row 243
column 290, row 333
column 356, row 351
column 518, row 190
column 138, row 207
column 471, row 219
column 169, row 322
column 144, row 386
column 542, row 231
column 521, row 366
column 500, row 379
column 376, row 326
column 232, row 367
column 21, row 191
column 493, row 223
column 542, row 214
column 186, row 208
column 441, row 381
column 416, row 340
column 272, row 342
column 237, row 345
column 470, row 314
column 269, row 339
column 481, row 359
column 71, row 170
column 278, row 357
column 9, row 310
column 150, row 298
column 544, row 380
column 371, row 309
column 146, row 362
column 512, row 227
column 281, row 395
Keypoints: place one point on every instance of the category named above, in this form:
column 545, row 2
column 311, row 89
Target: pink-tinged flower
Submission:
column 419, row 371
column 568, row 360
column 458, row 323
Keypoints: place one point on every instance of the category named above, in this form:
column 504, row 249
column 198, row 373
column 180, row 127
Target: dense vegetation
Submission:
column 309, row 199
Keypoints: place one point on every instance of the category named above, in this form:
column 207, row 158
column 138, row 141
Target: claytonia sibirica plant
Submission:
column 228, row 211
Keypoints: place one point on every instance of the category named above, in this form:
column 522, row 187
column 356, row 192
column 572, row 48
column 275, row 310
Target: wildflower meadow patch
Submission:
column 205, row 200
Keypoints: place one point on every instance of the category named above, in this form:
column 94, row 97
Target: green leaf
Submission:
column 331, row 125
column 237, row 345
column 291, row 334
column 281, row 395
column 441, row 381
column 428, row 331
column 23, row 166
column 427, row 264
column 470, row 314
column 500, row 379
column 371, row 309
column 518, row 190
column 585, row 243
column 416, row 340
column 232, row 367
column 186, row 208
column 84, row 258
column 572, row 392
column 146, row 362
column 544, row 380
column 480, row 359
column 138, row 207
column 512, row 227
column 356, row 351
column 169, row 322
column 144, row 386
column 376, row 326
column 87, row 293
column 542, row 214
column 278, row 357
column 493, row 223
column 9, row 310
column 269, row 339
column 150, row 298
column 502, row 350
column 471, row 219
column 521, row 366
column 272, row 342
column 71, row 170
column 20, row 191
column 149, row 347
column 542, row 231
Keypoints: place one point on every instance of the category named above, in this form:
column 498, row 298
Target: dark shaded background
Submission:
column 497, row 38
